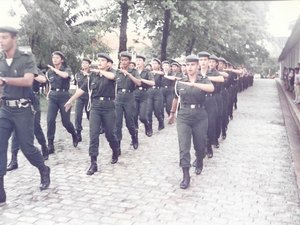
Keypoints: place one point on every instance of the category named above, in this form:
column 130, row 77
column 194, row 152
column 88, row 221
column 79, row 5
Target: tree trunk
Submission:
column 166, row 33
column 190, row 46
column 123, row 27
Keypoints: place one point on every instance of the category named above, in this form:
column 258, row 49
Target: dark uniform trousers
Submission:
column 155, row 102
column 102, row 113
column 225, row 99
column 168, row 95
column 191, row 123
column 212, row 112
column 141, row 98
column 219, row 100
column 125, row 105
column 230, row 102
column 57, row 100
column 81, row 103
column 38, row 131
column 21, row 121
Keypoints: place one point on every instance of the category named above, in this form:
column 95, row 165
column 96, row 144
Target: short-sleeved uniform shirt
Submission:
column 147, row 75
column 58, row 82
column 124, row 82
column 22, row 63
column 157, row 79
column 217, row 85
column 80, row 79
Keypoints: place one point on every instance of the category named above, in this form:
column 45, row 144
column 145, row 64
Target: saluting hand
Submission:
column 68, row 106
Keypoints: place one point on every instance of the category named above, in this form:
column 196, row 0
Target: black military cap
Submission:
column 192, row 58
column 214, row 58
column 222, row 59
column 8, row 29
column 126, row 54
column 157, row 60
column 87, row 60
column 60, row 54
column 106, row 56
column 141, row 57
column 203, row 54
column 175, row 63
column 165, row 62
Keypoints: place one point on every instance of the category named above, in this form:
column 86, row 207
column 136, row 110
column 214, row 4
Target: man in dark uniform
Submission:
column 126, row 80
column 167, row 87
column 59, row 78
column 155, row 99
column 192, row 121
column 101, row 86
column 38, row 131
column 82, row 102
column 141, row 94
column 17, row 71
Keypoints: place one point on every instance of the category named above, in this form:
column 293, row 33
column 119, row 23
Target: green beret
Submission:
column 126, row 54
column 157, row 60
column 106, row 56
column 141, row 57
column 8, row 29
column 87, row 60
column 222, row 59
column 214, row 58
column 165, row 62
column 60, row 54
column 192, row 58
column 203, row 54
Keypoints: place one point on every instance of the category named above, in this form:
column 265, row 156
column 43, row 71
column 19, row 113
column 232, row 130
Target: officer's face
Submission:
column 102, row 63
column 155, row 65
column 124, row 62
column 175, row 69
column 212, row 64
column 7, row 41
column 85, row 65
column 203, row 62
column 166, row 67
column 139, row 62
column 192, row 68
column 56, row 60
column 221, row 65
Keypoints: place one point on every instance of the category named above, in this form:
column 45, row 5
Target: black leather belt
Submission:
column 154, row 87
column 167, row 86
column 142, row 89
column 58, row 89
column 191, row 106
column 209, row 94
column 123, row 90
column 105, row 98
column 20, row 103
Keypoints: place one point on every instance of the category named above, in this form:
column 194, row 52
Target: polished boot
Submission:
column 45, row 152
column 209, row 151
column 148, row 132
column 2, row 191
column 224, row 136
column 135, row 140
column 51, row 149
column 199, row 166
column 45, row 177
column 13, row 163
column 186, row 178
column 161, row 124
column 218, row 144
column 75, row 139
column 93, row 167
column 102, row 130
column 79, row 138
column 115, row 155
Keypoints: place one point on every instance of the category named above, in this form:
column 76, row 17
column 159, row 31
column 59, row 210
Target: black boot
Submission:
column 101, row 130
column 146, row 124
column 150, row 130
column 135, row 140
column 115, row 155
column 209, row 151
column 45, row 152
column 161, row 124
column 45, row 177
column 79, row 138
column 51, row 149
column 185, row 183
column 93, row 167
column 75, row 139
column 13, row 163
column 2, row 191
column 199, row 166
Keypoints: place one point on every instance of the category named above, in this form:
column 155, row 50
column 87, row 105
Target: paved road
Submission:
column 250, row 179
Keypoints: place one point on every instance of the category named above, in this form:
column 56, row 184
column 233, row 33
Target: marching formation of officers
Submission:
column 201, row 94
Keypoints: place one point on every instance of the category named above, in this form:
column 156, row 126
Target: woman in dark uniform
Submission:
column 59, row 76
column 192, row 119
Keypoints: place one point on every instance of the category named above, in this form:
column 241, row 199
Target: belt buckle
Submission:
column 123, row 90
column 193, row 106
column 166, row 86
column 140, row 88
column 101, row 98
column 56, row 89
column 153, row 87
